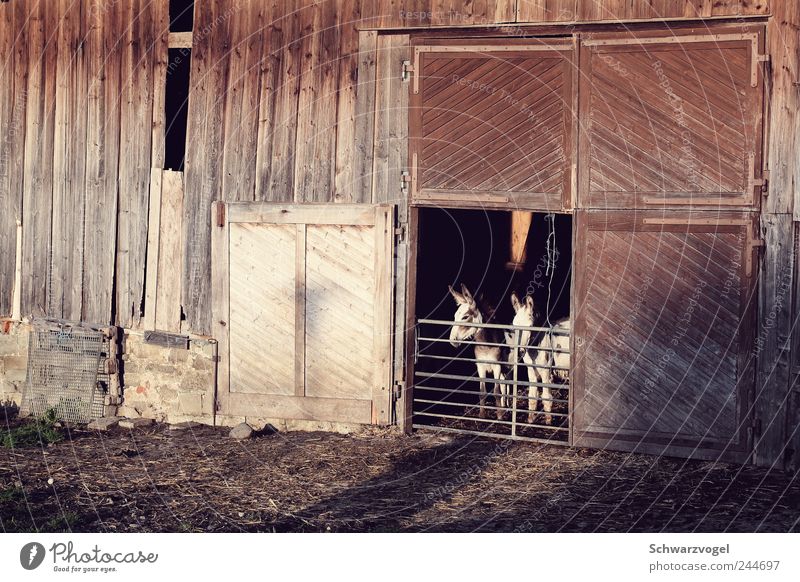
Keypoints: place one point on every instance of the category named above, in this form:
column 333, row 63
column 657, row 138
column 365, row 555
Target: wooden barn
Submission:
column 260, row 204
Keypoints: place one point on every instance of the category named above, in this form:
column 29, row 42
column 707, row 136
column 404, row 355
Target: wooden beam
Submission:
column 520, row 226
column 180, row 40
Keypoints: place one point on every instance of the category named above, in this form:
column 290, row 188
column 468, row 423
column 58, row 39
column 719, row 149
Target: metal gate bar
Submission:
column 440, row 407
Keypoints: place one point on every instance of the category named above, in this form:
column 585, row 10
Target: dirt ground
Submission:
column 199, row 479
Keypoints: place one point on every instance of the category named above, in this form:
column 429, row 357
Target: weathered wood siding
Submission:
column 76, row 118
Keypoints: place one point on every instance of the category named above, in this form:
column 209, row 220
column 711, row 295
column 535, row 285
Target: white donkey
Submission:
column 542, row 358
column 469, row 312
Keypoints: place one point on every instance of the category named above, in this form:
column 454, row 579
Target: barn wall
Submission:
column 77, row 125
column 275, row 89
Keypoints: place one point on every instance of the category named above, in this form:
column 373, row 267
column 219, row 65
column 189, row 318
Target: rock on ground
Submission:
column 135, row 422
column 103, row 423
column 241, row 432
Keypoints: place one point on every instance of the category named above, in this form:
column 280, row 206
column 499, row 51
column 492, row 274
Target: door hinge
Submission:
column 400, row 234
column 405, row 181
column 408, row 70
column 397, row 390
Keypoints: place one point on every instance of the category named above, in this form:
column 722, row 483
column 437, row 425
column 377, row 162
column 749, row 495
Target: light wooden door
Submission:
column 663, row 346
column 302, row 299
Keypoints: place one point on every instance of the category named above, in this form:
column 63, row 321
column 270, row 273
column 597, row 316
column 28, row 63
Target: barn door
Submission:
column 302, row 299
column 671, row 120
column 492, row 123
column 662, row 342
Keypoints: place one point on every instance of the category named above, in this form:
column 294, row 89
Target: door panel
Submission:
column 303, row 311
column 492, row 125
column 665, row 313
column 671, row 121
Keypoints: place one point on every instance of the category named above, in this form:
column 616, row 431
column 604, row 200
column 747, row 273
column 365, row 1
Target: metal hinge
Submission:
column 397, row 390
column 405, row 180
column 400, row 233
column 408, row 70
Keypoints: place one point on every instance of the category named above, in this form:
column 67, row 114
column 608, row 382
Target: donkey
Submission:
column 469, row 312
column 540, row 358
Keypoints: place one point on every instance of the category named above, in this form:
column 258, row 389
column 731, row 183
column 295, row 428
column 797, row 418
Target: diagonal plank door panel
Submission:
column 302, row 300
column 670, row 121
column 664, row 317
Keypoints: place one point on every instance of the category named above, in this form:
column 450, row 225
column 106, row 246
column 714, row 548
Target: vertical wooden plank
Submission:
column 346, row 101
column 104, row 50
column 153, row 245
column 135, row 164
column 281, row 180
column 220, row 301
column 309, row 101
column 270, row 64
column 300, row 312
column 384, row 302
column 204, row 156
column 69, row 166
column 391, row 120
column 38, row 177
column 241, row 104
column 772, row 340
column 169, row 249
column 160, row 58
column 364, row 128
column 12, row 135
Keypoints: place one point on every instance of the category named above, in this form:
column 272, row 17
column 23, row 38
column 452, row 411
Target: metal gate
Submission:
column 446, row 394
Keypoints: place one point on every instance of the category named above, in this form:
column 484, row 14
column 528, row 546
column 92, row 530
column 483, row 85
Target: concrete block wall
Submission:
column 13, row 361
column 168, row 384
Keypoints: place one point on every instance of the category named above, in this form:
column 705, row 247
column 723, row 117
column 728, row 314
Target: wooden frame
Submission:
column 299, row 405
column 662, row 443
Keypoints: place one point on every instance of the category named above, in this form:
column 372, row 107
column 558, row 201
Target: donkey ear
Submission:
column 456, row 295
column 467, row 295
column 515, row 301
column 529, row 301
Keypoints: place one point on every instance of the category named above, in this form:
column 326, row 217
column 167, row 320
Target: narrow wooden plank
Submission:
column 68, row 167
column 170, row 254
column 384, row 304
column 772, row 341
column 205, row 145
column 346, row 100
column 220, row 302
column 309, row 101
column 356, row 214
column 300, row 312
column 282, row 172
column 294, row 408
column 364, row 129
column 270, row 64
column 180, row 40
column 104, row 50
column 160, row 55
column 153, row 244
column 12, row 135
column 135, row 163
column 38, row 176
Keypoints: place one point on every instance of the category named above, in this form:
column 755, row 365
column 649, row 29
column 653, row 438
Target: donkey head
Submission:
column 525, row 315
column 467, row 312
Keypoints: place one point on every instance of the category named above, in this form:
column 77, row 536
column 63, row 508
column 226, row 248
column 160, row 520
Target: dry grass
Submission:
column 200, row 480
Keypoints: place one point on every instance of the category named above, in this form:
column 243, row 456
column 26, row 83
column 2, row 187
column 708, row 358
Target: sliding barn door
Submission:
column 663, row 340
column 671, row 120
column 303, row 311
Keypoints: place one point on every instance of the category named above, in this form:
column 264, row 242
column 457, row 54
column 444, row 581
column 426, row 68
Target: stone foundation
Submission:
column 168, row 384
column 13, row 361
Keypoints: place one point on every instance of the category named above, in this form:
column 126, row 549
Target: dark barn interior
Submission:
column 472, row 247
